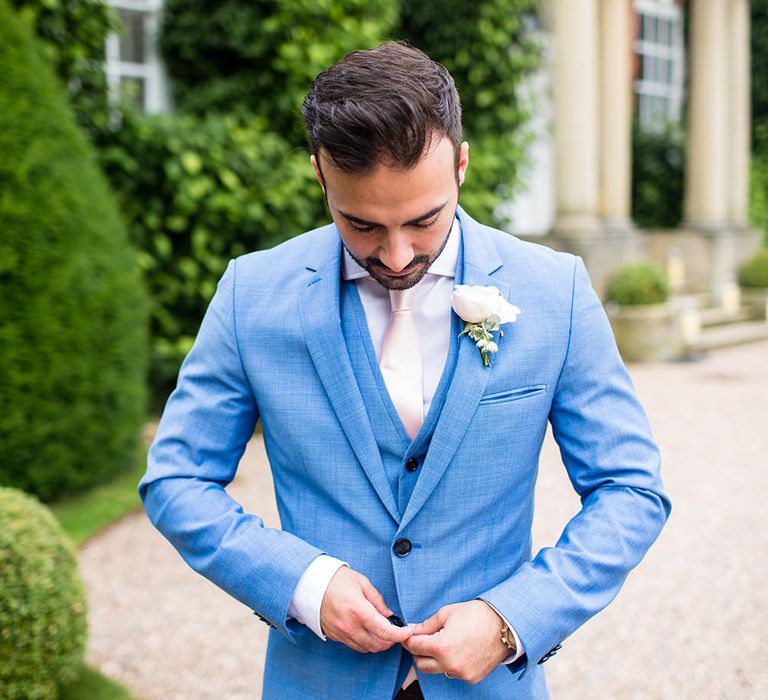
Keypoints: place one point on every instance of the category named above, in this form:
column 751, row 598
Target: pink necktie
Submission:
column 400, row 361
column 402, row 371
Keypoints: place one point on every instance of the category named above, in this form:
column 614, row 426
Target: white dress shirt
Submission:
column 432, row 314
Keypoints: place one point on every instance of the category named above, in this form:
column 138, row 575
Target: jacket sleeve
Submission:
column 202, row 435
column 613, row 464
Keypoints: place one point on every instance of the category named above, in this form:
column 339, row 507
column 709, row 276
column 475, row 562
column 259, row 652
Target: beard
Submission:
column 418, row 267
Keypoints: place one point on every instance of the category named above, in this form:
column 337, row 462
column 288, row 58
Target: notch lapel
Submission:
column 319, row 314
column 470, row 377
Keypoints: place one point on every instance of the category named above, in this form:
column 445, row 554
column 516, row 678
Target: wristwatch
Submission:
column 508, row 637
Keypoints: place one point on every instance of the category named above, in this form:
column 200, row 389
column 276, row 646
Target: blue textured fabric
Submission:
column 271, row 347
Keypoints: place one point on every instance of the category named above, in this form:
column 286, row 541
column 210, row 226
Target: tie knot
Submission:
column 402, row 299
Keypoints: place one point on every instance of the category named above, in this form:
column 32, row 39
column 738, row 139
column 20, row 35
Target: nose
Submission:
column 396, row 251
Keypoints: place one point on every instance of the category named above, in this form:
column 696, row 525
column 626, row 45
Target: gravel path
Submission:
column 690, row 622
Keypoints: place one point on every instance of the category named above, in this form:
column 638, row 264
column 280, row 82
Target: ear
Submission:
column 318, row 173
column 463, row 161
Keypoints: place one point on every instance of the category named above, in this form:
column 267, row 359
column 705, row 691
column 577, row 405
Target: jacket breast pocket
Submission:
column 522, row 392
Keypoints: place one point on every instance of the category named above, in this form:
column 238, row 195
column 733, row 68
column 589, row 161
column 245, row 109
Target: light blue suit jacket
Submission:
column 271, row 347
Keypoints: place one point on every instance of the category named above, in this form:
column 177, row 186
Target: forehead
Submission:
column 389, row 190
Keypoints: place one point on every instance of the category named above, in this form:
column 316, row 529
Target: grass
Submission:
column 91, row 685
column 84, row 515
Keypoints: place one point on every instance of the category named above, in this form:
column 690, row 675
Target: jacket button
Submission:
column 396, row 621
column 412, row 464
column 402, row 547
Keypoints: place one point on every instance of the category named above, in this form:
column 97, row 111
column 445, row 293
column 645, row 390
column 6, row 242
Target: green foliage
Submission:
column 42, row 607
column 758, row 194
column 261, row 56
column 489, row 47
column 72, row 36
column 195, row 192
column 92, row 685
column 759, row 72
column 754, row 272
column 658, row 176
column 639, row 283
column 72, row 310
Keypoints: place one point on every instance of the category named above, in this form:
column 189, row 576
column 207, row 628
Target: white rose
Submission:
column 475, row 303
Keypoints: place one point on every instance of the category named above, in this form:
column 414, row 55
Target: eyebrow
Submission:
column 363, row 222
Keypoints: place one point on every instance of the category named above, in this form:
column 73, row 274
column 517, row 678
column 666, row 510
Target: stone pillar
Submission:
column 615, row 113
column 576, row 117
column 707, row 172
column 739, row 112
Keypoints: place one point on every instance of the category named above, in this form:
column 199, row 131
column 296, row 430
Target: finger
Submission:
column 372, row 594
column 426, row 645
column 427, row 664
column 431, row 624
column 380, row 627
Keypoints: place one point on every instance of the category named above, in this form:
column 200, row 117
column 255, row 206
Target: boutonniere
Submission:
column 483, row 310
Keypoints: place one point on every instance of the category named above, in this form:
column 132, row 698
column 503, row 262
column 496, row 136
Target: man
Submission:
column 404, row 467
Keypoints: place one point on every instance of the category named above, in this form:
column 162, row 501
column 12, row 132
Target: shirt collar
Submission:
column 444, row 265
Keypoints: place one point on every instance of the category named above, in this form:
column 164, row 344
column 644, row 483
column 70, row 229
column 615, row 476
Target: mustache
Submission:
column 375, row 262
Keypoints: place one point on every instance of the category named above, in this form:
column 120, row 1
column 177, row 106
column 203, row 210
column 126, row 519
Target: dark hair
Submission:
column 382, row 104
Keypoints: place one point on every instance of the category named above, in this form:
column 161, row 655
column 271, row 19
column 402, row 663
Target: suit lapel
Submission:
column 480, row 260
column 321, row 326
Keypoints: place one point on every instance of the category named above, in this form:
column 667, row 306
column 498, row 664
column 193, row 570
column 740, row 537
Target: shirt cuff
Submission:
column 519, row 651
column 308, row 594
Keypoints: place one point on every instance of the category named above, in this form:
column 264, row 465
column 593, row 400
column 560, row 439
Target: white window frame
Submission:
column 151, row 71
column 671, row 93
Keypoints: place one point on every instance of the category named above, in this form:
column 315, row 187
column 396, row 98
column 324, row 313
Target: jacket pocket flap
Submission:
column 514, row 394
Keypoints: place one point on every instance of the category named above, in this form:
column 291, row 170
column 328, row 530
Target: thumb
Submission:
column 375, row 598
column 431, row 624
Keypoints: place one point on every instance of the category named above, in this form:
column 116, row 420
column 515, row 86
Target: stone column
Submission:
column 576, row 117
column 707, row 173
column 739, row 112
column 615, row 113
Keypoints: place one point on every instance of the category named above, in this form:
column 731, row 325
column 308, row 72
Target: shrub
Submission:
column 658, row 176
column 72, row 36
column 42, row 607
column 195, row 192
column 72, row 310
column 639, row 283
column 758, row 185
column 260, row 56
column 754, row 273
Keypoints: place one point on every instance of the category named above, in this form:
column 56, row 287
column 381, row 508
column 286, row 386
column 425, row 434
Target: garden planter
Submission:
column 648, row 333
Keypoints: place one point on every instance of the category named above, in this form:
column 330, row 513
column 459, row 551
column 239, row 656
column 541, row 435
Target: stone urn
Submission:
column 755, row 300
column 647, row 332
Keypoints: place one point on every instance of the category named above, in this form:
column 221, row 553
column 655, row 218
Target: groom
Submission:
column 404, row 467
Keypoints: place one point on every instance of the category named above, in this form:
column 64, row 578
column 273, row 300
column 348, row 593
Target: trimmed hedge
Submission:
column 639, row 283
column 197, row 191
column 72, row 308
column 72, row 37
column 43, row 625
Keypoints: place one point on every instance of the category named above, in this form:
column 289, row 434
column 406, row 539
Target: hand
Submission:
column 354, row 613
column 462, row 640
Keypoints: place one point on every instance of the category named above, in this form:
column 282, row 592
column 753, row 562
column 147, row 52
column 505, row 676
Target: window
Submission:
column 660, row 53
column 134, row 70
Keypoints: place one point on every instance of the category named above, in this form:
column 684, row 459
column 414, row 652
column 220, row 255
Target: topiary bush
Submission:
column 639, row 283
column 72, row 37
column 195, row 192
column 754, row 272
column 73, row 313
column 43, row 625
